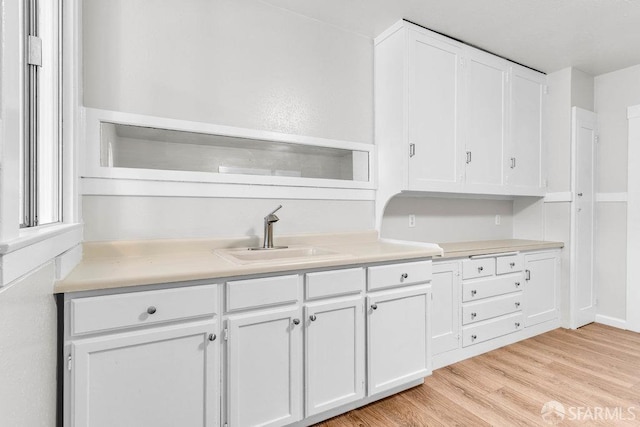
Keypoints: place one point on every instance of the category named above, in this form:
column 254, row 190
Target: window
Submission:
column 40, row 162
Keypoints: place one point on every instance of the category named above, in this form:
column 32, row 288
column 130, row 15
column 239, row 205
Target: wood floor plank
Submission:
column 595, row 368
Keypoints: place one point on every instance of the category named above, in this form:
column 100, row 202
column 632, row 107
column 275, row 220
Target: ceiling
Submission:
column 595, row 36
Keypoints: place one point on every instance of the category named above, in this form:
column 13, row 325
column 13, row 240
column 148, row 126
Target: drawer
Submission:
column 103, row 313
column 494, row 307
column 408, row 273
column 269, row 291
column 490, row 287
column 509, row 264
column 336, row 282
column 490, row 329
column 482, row 267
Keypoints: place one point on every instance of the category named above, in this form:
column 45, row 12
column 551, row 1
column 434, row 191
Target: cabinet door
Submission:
column 542, row 284
column 264, row 362
column 524, row 156
column 162, row 377
column 334, row 354
column 435, row 81
column 445, row 318
column 485, row 116
column 398, row 338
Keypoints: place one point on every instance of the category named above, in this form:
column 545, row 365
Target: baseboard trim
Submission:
column 611, row 321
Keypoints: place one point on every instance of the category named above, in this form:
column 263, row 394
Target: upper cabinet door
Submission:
column 485, row 116
column 435, row 82
column 524, row 157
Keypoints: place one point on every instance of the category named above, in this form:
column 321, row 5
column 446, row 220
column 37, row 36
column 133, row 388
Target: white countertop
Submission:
column 487, row 247
column 108, row 265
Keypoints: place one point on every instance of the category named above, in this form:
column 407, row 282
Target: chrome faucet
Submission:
column 268, row 230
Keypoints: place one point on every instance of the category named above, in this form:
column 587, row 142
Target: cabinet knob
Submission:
column 313, row 317
column 512, row 264
column 480, row 269
column 404, row 276
column 517, row 324
column 374, row 306
column 473, row 315
column 474, row 337
column 473, row 293
column 517, row 284
column 517, row 304
column 151, row 310
column 579, row 194
column 296, row 321
column 212, row 337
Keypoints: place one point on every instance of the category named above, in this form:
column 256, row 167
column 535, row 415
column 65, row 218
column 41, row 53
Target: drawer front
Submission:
column 490, row 329
column 408, row 273
column 494, row 307
column 509, row 264
column 336, row 282
column 242, row 294
column 491, row 287
column 103, row 313
column 483, row 267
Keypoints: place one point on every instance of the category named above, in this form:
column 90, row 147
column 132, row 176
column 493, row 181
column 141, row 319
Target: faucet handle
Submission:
column 274, row 211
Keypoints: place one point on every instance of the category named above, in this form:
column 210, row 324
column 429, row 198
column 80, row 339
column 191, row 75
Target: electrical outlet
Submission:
column 498, row 219
column 412, row 221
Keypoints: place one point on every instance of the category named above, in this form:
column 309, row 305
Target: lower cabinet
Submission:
column 398, row 331
column 264, row 368
column 445, row 316
column 542, row 287
column 162, row 377
column 334, row 354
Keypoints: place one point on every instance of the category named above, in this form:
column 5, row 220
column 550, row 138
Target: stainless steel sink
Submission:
column 286, row 255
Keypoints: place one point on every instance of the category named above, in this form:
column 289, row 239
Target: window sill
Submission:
column 35, row 247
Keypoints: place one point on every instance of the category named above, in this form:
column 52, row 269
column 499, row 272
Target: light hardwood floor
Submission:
column 595, row 368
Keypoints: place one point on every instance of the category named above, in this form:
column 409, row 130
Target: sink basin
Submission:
column 286, row 255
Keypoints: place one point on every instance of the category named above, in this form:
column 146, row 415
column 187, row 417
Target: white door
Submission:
column 583, row 293
column 398, row 337
column 334, row 354
column 523, row 160
column 264, row 363
column 445, row 318
column 542, row 287
column 486, row 117
column 157, row 377
column 435, row 82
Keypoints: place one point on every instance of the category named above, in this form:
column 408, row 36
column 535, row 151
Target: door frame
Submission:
column 633, row 221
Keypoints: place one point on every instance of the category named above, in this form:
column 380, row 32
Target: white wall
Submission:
column 447, row 220
column 28, row 351
column 614, row 92
column 241, row 63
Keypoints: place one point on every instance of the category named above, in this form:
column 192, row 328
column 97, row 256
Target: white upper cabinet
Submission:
column 524, row 154
column 435, row 82
column 452, row 118
column 486, row 117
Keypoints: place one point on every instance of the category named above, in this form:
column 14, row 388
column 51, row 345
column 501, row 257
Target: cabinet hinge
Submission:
column 225, row 334
column 596, row 139
column 545, row 89
column 69, row 363
column 34, row 51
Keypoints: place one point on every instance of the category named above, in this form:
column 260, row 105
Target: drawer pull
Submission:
column 517, row 304
column 474, row 337
column 517, row 324
column 473, row 293
column 374, row 306
column 403, row 277
column 527, row 274
column 480, row 269
column 296, row 321
column 512, row 264
column 473, row 315
column 212, row 337
column 313, row 317
column 517, row 284
column 151, row 310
